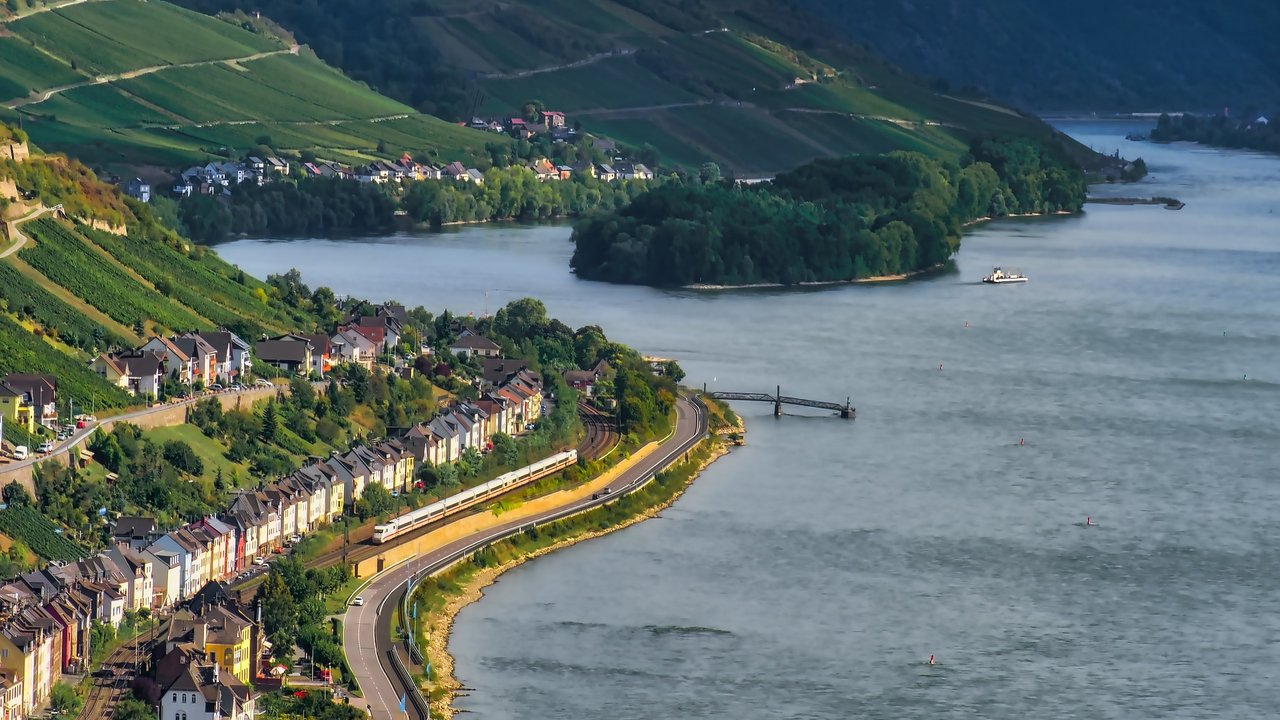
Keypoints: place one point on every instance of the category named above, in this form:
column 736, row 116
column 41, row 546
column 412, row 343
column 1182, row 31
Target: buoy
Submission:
column 931, row 660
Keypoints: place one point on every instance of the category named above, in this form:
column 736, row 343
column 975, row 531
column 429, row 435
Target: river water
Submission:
column 811, row 573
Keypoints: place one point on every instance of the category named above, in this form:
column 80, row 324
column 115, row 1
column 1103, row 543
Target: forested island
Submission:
column 831, row 220
column 1252, row 131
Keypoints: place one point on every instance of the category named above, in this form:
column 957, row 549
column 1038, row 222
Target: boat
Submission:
column 998, row 277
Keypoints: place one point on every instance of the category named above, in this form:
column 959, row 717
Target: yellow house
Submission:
column 16, row 408
column 228, row 642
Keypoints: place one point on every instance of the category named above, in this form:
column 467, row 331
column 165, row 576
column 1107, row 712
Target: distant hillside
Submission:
column 152, row 83
column 78, row 286
column 739, row 82
column 1080, row 54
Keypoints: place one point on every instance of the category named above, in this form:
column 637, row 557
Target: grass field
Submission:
column 26, row 69
column 610, row 83
column 183, row 115
column 210, row 451
column 103, row 38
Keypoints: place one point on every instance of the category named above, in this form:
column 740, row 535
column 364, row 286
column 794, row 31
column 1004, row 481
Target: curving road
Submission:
column 367, row 632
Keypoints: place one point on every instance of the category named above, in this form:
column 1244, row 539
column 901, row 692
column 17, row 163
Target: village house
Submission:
column 475, row 345
column 141, row 372
column 288, row 352
column 234, row 361
column 42, row 390
column 16, row 409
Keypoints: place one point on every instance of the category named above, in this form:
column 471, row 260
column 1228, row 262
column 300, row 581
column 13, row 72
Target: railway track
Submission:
column 113, row 678
column 602, row 434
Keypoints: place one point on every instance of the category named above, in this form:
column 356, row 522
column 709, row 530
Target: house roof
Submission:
column 140, row 363
column 170, row 346
column 134, row 527
column 474, row 342
column 290, row 351
column 497, row 370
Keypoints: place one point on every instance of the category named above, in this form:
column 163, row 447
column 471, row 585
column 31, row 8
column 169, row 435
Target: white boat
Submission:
column 998, row 277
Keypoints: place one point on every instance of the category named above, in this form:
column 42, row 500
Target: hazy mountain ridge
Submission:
column 1087, row 55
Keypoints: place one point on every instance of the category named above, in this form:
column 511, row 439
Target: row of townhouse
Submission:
column 261, row 521
column 357, row 340
column 46, row 619
column 510, row 401
column 193, row 358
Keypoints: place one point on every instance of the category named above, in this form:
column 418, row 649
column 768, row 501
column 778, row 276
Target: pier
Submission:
column 845, row 411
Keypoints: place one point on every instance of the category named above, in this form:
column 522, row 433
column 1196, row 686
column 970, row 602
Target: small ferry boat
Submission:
column 998, row 276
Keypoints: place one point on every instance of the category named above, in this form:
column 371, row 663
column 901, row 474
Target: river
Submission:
column 811, row 573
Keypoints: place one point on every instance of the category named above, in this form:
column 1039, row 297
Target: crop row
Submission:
column 25, row 524
column 26, row 296
column 21, row 351
column 65, row 259
column 181, row 287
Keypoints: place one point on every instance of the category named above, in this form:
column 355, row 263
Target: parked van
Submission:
column 21, row 453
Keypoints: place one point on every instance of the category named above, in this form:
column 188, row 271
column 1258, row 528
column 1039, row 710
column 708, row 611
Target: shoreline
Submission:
column 439, row 623
column 901, row 277
column 818, row 283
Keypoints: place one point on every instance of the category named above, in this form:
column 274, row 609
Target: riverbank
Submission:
column 820, row 283
column 465, row 584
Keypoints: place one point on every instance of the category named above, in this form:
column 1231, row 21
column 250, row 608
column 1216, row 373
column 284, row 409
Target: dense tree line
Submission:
column 1246, row 132
column 833, row 219
column 315, row 206
column 318, row 206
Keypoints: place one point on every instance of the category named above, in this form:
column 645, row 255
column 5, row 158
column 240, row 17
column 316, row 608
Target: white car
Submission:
column 46, row 446
column 259, row 561
column 263, row 383
column 21, row 452
column 357, row 601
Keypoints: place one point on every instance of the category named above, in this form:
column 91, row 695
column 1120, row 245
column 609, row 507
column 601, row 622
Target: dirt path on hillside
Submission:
column 15, row 232
column 567, row 66
column 130, row 74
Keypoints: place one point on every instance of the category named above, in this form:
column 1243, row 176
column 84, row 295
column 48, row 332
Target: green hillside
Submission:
column 73, row 290
column 128, row 81
column 1080, row 55
column 739, row 82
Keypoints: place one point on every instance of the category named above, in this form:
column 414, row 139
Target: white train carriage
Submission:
column 441, row 508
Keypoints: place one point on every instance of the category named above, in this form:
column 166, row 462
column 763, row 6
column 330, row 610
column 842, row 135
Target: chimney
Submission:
column 201, row 631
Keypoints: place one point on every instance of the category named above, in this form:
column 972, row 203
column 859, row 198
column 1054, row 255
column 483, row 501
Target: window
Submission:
column 175, row 697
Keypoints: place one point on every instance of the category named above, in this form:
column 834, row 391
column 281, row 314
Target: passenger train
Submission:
column 452, row 504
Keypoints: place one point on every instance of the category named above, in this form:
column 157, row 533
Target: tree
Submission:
column 15, row 494
column 709, row 172
column 132, row 709
column 270, row 423
column 279, row 612
column 505, row 448
column 375, row 501
column 64, row 699
column 302, row 393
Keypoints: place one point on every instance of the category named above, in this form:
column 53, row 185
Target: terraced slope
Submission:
column 752, row 84
column 73, row 291
column 146, row 82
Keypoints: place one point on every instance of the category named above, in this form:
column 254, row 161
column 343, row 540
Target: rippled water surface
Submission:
column 811, row 573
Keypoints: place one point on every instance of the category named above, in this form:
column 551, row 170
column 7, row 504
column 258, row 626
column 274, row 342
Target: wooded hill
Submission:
column 74, row 290
column 1079, row 54
column 829, row 221
column 152, row 83
column 753, row 85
